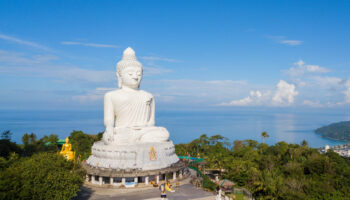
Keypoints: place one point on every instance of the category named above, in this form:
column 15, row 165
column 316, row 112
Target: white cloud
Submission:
column 194, row 92
column 283, row 96
column 180, row 92
column 312, row 104
column 157, row 58
column 347, row 83
column 291, row 42
column 346, row 98
column 23, row 42
column 151, row 67
column 316, row 69
column 149, row 71
column 301, row 68
column 76, row 74
column 242, row 102
column 253, row 99
column 163, row 98
column 227, row 82
column 283, row 40
column 42, row 66
column 326, row 81
column 13, row 58
column 285, row 93
column 87, row 44
column 347, row 95
column 92, row 95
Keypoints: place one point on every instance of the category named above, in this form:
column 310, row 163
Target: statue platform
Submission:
column 138, row 163
column 145, row 156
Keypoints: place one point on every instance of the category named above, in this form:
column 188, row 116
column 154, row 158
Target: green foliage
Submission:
column 208, row 184
column 281, row 171
column 264, row 135
column 99, row 136
column 42, row 176
column 31, row 145
column 27, row 173
column 81, row 143
column 6, row 135
column 338, row 131
column 4, row 163
column 6, row 147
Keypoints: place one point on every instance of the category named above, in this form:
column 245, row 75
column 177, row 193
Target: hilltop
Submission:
column 336, row 131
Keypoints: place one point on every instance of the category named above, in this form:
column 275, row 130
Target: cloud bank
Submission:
column 90, row 44
column 23, row 42
column 282, row 96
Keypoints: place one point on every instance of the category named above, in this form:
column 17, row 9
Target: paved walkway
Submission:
column 185, row 192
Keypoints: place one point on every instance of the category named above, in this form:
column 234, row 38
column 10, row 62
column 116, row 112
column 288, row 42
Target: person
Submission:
column 218, row 190
column 162, row 191
column 129, row 113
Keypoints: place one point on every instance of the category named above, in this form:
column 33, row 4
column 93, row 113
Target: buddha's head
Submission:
column 129, row 70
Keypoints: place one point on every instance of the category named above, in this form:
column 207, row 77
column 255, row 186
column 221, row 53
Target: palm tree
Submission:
column 304, row 143
column 264, row 135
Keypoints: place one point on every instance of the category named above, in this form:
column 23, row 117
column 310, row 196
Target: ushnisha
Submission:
column 128, row 111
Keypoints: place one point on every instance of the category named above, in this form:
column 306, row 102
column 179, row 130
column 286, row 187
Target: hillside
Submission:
column 282, row 171
column 337, row 131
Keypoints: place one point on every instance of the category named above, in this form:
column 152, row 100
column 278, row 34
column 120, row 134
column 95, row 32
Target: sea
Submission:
column 186, row 125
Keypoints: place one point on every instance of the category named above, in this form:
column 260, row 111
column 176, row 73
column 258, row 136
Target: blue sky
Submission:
column 196, row 54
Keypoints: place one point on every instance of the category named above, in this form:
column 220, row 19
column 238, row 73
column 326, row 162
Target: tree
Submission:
column 81, row 143
column 237, row 144
column 7, row 147
column 304, row 143
column 281, row 171
column 42, row 176
column 25, row 139
column 30, row 145
column 99, row 136
column 52, row 139
column 215, row 138
column 264, row 135
column 6, row 135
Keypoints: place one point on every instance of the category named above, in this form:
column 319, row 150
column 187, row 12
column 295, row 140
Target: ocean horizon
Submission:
column 185, row 126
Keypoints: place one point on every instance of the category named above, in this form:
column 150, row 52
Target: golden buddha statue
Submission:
column 66, row 150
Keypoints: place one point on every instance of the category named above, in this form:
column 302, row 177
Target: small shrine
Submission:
column 66, row 150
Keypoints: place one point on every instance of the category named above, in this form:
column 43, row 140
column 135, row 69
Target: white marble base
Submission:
column 132, row 156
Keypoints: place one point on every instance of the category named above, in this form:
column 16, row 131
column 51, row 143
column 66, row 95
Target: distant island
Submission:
column 336, row 131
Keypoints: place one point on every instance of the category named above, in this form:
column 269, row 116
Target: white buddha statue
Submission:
column 128, row 111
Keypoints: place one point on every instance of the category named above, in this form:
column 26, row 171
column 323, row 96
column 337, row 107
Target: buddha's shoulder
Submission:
column 112, row 93
column 146, row 93
column 120, row 92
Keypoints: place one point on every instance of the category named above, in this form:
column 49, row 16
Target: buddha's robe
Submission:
column 131, row 113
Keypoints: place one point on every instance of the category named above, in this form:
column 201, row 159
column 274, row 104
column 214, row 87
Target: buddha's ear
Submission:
column 119, row 79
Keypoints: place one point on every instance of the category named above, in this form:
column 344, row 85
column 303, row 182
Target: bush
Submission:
column 208, row 184
column 42, row 176
column 81, row 143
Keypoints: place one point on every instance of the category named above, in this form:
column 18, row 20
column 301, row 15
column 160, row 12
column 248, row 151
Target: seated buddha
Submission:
column 129, row 111
column 66, row 150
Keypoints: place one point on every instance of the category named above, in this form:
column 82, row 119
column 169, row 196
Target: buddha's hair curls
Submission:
column 129, row 60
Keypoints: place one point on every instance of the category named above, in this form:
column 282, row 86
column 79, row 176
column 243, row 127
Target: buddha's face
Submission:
column 131, row 77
